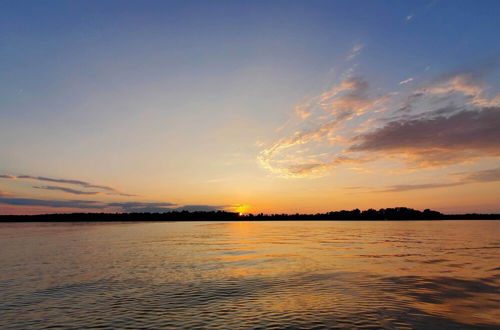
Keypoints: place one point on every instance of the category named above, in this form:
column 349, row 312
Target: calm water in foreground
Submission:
column 369, row 275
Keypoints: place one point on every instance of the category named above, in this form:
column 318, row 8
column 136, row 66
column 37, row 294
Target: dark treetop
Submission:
column 397, row 213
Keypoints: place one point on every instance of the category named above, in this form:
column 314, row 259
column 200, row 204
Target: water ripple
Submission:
column 293, row 275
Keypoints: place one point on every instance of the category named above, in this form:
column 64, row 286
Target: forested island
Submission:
column 395, row 214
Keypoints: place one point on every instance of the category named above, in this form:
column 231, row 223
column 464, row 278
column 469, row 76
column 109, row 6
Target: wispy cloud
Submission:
column 464, row 178
column 355, row 50
column 79, row 204
column 326, row 113
column 450, row 120
column 408, row 187
column 128, row 207
column 142, row 206
column 84, row 184
column 490, row 175
column 304, row 110
column 67, row 190
column 73, row 182
column 406, row 81
column 466, row 84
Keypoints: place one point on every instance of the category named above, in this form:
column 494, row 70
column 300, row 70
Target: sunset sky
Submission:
column 250, row 106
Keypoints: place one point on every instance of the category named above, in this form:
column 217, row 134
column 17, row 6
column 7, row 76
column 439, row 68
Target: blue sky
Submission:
column 174, row 101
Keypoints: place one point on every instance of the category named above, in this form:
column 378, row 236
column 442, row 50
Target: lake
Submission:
column 271, row 275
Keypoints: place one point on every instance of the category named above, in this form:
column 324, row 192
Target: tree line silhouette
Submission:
column 397, row 213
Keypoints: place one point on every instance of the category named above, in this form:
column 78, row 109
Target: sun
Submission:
column 241, row 209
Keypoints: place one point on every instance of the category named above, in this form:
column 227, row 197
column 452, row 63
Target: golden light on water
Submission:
column 379, row 274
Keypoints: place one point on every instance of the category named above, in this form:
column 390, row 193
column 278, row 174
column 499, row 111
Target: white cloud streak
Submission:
column 406, row 81
column 355, row 50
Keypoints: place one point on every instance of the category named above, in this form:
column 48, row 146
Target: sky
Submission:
column 249, row 106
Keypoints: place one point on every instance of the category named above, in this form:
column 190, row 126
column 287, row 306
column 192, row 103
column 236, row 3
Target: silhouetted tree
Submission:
column 397, row 213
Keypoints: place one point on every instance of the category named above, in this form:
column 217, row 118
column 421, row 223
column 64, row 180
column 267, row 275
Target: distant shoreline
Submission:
column 389, row 214
column 236, row 220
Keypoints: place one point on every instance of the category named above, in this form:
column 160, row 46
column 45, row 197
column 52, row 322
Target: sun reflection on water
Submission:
column 251, row 274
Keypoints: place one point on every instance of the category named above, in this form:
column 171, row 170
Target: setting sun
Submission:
column 241, row 209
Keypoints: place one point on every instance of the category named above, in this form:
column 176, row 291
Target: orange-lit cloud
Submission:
column 323, row 117
column 448, row 121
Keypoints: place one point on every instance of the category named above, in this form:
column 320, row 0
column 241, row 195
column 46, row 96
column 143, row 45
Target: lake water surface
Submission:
column 272, row 275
